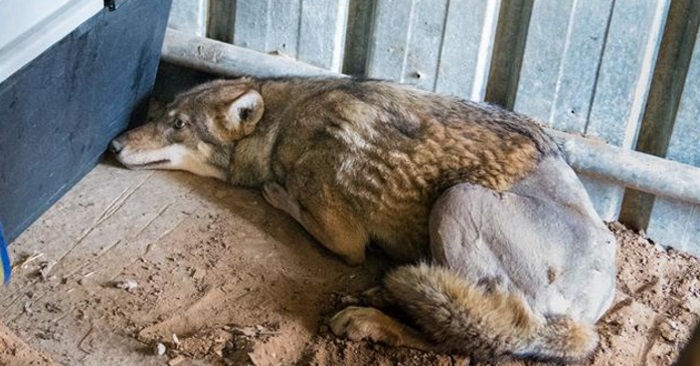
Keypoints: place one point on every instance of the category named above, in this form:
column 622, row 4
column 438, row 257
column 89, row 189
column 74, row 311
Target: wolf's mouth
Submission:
column 146, row 165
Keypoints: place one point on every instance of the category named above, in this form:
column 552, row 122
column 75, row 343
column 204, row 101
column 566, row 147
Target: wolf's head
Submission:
column 197, row 132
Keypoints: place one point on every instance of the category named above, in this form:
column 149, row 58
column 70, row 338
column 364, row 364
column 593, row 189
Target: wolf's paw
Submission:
column 279, row 198
column 358, row 323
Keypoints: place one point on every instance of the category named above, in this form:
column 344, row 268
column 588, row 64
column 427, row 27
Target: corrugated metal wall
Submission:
column 606, row 69
column 679, row 222
column 587, row 69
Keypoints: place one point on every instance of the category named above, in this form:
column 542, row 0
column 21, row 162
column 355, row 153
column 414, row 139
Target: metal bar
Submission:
column 632, row 169
column 636, row 170
column 227, row 60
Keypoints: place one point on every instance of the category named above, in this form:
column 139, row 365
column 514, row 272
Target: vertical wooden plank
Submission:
column 189, row 16
column 675, row 223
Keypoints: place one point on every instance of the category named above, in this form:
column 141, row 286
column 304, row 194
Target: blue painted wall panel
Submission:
column 60, row 111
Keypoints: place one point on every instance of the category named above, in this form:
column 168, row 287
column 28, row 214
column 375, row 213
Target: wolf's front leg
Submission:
column 278, row 197
column 328, row 225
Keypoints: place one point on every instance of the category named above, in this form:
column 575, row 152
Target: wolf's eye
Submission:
column 178, row 124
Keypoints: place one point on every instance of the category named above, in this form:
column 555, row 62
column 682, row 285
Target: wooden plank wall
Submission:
column 584, row 67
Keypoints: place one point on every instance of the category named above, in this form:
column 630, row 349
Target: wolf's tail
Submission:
column 485, row 323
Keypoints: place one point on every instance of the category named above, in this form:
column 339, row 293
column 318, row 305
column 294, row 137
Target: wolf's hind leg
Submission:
column 358, row 323
column 327, row 225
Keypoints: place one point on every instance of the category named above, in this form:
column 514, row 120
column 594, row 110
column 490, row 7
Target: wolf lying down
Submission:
column 506, row 255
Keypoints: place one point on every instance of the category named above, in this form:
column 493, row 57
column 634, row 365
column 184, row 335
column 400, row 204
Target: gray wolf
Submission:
column 503, row 252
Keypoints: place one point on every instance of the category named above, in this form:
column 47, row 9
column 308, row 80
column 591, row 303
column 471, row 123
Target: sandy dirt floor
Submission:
column 127, row 260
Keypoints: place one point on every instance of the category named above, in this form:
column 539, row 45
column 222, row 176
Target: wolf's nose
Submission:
column 115, row 147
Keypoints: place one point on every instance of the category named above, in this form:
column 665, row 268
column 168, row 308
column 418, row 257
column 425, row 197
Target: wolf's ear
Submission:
column 244, row 113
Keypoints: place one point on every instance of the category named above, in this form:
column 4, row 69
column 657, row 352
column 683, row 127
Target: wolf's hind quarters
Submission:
column 366, row 323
